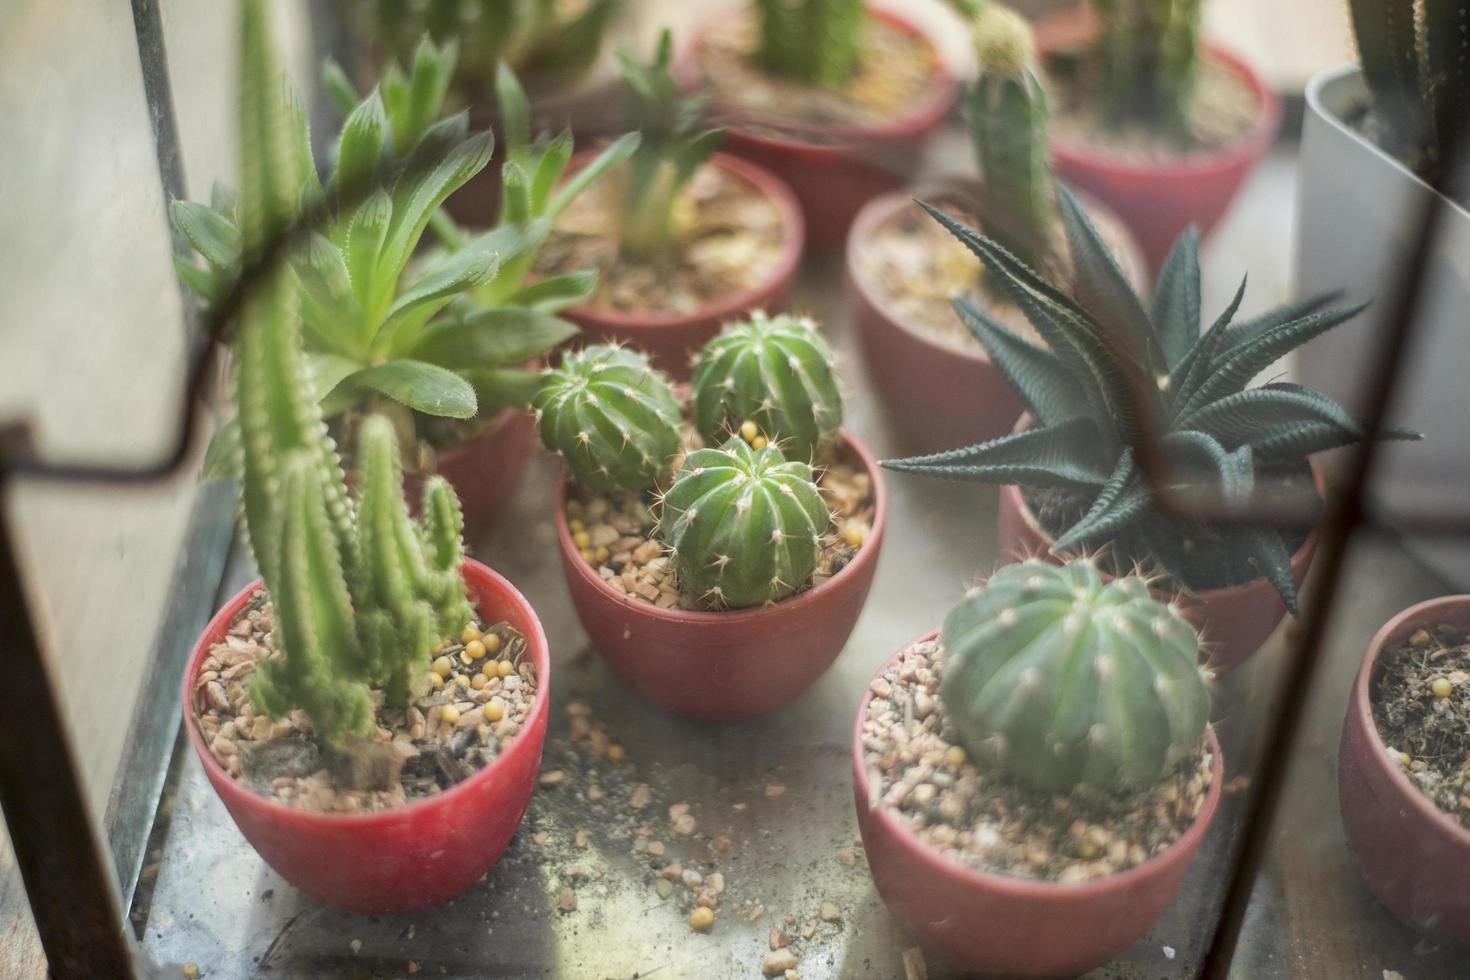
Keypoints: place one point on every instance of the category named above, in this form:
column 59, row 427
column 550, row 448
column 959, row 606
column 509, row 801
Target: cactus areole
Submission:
column 1062, row 679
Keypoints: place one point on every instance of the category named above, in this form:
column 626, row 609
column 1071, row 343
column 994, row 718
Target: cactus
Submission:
column 1061, row 679
column 776, row 372
column 672, row 150
column 744, row 526
column 611, row 417
column 818, row 42
column 1150, row 62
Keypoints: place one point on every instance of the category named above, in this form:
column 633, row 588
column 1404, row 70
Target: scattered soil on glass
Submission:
column 894, row 74
column 478, row 698
column 730, row 238
column 625, row 549
column 1225, row 111
column 1421, row 708
column 917, row 770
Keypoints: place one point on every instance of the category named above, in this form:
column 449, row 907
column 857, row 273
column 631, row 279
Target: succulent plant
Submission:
column 363, row 593
column 1113, row 370
column 1062, row 679
column 610, row 416
column 818, row 42
column 1416, row 62
column 743, row 525
column 1149, row 52
column 776, row 372
column 673, row 148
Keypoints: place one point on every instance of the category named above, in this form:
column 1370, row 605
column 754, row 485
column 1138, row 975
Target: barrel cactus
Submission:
column 743, row 525
column 610, row 416
column 776, row 372
column 1060, row 678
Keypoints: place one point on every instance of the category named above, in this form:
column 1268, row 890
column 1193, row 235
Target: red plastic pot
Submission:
column 997, row 924
column 410, row 857
column 835, row 170
column 940, row 395
column 670, row 338
column 1161, row 199
column 1233, row 622
column 1414, row 856
column 715, row 666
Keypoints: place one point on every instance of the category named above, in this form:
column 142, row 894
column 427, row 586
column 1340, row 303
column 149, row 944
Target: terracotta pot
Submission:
column 1414, row 856
column 997, row 924
column 941, row 395
column 1233, row 622
column 834, row 170
column 1159, row 199
column 410, row 857
column 671, row 339
column 722, row 665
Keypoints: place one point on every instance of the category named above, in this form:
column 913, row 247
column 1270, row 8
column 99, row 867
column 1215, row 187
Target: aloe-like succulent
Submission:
column 743, row 525
column 818, row 42
column 776, row 372
column 1113, row 370
column 1062, row 679
column 611, row 417
column 674, row 146
column 1149, row 53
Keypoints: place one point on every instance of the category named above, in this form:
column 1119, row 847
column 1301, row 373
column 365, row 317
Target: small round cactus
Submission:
column 1061, row 679
column 612, row 418
column 744, row 525
column 776, row 372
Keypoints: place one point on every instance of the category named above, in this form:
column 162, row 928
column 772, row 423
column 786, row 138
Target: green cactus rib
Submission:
column 1061, row 679
column 611, row 417
column 818, row 42
column 777, row 372
column 1150, row 57
column 743, row 525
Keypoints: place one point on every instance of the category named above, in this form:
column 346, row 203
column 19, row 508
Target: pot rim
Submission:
column 1063, row 27
column 736, row 617
column 883, row 207
column 974, row 878
column 536, row 644
column 939, row 95
column 793, row 243
column 1360, row 704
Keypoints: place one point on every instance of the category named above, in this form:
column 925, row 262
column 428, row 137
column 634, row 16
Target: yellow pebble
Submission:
column 1441, row 687
column 586, row 554
column 575, row 525
column 504, row 668
column 492, row 642
column 582, row 539
column 479, row 681
column 475, row 649
column 758, row 443
column 955, row 756
column 615, row 752
column 853, row 535
column 494, row 709
column 449, row 713
column 601, row 555
column 471, row 632
column 191, row 971
column 701, row 919
column 442, row 666
column 435, row 681
column 749, row 430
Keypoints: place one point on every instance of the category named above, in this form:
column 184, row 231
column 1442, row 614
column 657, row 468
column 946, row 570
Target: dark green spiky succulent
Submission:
column 743, row 525
column 776, row 372
column 610, row 416
column 1149, row 53
column 1061, row 678
column 1114, row 370
column 814, row 41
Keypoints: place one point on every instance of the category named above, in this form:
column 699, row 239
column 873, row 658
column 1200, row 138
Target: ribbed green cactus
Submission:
column 814, row 41
column 611, row 417
column 776, row 372
column 744, row 526
column 1061, row 679
column 1150, row 61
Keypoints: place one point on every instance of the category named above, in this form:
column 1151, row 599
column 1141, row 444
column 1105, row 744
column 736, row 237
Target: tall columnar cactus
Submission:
column 1418, row 72
column 818, row 42
column 1150, row 61
column 776, row 372
column 1061, row 679
column 610, row 416
column 744, row 526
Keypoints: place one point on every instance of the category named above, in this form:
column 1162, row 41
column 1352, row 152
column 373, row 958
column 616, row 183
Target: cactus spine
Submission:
column 611, row 417
column 815, row 41
column 1150, row 62
column 743, row 525
column 1061, row 679
column 776, row 372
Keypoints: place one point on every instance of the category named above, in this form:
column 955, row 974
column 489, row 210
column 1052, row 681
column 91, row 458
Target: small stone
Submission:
column 190, row 971
column 914, row 967
column 664, row 887
column 684, row 824
column 568, row 900
column 778, row 961
column 581, row 839
column 715, row 882
column 778, row 939
column 701, row 919
column 552, row 778
column 810, row 929
column 656, row 848
column 830, row 912
column 692, row 879
column 641, row 797
column 774, row 790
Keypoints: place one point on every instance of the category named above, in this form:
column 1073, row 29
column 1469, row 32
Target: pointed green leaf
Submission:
column 443, row 279
column 550, row 164
column 495, row 337
column 202, row 281
column 1123, row 499
column 423, row 387
column 1065, row 454
column 339, row 87
column 222, row 455
column 615, row 153
column 1037, row 377
column 1199, row 458
column 1176, row 306
column 1192, row 371
column 1256, row 414
column 1271, row 558
column 367, row 229
column 556, row 293
column 515, row 114
column 1248, row 330
column 360, row 147
column 212, row 234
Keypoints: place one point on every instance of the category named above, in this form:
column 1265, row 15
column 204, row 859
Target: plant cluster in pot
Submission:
column 1151, row 120
column 1404, row 767
column 683, row 239
column 903, row 270
column 437, row 340
column 718, row 564
column 371, row 712
column 1372, row 139
column 834, row 97
column 1113, row 374
column 1033, row 781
